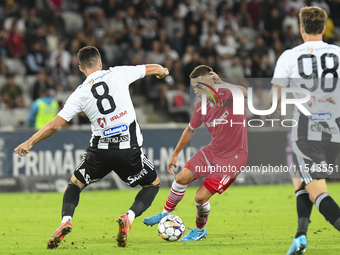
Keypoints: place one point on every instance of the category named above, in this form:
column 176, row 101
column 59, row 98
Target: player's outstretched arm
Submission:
column 183, row 141
column 47, row 130
column 218, row 80
column 158, row 70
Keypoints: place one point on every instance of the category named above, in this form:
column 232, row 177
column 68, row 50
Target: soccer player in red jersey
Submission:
column 219, row 162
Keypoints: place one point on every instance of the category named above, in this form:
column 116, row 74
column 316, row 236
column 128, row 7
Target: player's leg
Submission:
column 202, row 207
column 71, row 198
column 141, row 172
column 315, row 192
column 304, row 208
column 182, row 179
column 202, row 212
column 176, row 194
column 318, row 193
column 142, row 202
column 92, row 168
column 215, row 182
column 70, row 202
column 143, row 199
column 177, row 190
column 315, row 171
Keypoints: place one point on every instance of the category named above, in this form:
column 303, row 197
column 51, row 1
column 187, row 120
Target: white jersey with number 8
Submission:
column 105, row 99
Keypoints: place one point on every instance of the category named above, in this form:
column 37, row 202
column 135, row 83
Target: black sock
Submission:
column 71, row 199
column 304, row 208
column 144, row 199
column 329, row 209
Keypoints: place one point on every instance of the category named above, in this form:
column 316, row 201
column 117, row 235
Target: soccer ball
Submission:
column 171, row 228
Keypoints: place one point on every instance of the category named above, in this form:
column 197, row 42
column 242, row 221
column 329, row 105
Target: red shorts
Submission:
column 219, row 173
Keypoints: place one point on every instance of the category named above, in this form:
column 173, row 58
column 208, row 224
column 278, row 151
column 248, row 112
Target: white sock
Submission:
column 165, row 211
column 202, row 213
column 176, row 194
column 66, row 218
column 131, row 215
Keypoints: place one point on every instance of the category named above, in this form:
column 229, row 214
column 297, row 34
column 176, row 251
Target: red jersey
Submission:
column 228, row 132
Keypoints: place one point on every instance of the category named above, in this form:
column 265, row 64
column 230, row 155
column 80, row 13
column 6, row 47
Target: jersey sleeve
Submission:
column 71, row 107
column 281, row 73
column 196, row 120
column 130, row 73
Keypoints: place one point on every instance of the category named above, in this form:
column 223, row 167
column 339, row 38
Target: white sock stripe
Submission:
column 300, row 192
column 169, row 209
column 202, row 213
column 177, row 193
column 175, row 185
column 202, row 205
column 319, row 199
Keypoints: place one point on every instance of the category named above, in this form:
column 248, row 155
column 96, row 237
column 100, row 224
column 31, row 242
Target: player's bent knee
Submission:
column 312, row 198
column 184, row 177
column 77, row 182
column 181, row 180
column 316, row 188
column 155, row 183
column 201, row 199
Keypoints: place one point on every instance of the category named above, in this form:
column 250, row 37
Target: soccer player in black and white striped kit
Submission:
column 314, row 66
column 116, row 139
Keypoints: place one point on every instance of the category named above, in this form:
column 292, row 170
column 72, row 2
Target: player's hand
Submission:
column 172, row 162
column 164, row 73
column 216, row 78
column 23, row 149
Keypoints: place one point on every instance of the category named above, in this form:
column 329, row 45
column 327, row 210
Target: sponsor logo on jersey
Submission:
column 220, row 120
column 319, row 128
column 91, row 82
column 310, row 50
column 118, row 116
column 138, row 176
column 115, row 130
column 326, row 100
column 101, row 122
column 311, row 101
column 114, row 139
column 321, row 116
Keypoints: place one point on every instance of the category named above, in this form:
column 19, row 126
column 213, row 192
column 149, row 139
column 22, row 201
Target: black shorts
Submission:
column 131, row 165
column 316, row 159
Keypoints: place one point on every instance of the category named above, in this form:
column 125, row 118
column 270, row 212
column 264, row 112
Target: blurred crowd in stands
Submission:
column 39, row 41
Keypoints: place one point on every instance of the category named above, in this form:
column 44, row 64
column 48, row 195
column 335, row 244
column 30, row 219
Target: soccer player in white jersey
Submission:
column 314, row 66
column 116, row 138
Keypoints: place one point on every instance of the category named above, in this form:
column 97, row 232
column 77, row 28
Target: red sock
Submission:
column 175, row 195
column 202, row 213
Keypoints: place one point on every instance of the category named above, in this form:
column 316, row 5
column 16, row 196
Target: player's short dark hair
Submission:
column 88, row 57
column 313, row 19
column 202, row 70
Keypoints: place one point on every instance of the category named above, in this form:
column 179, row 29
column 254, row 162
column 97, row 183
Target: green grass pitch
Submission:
column 243, row 220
